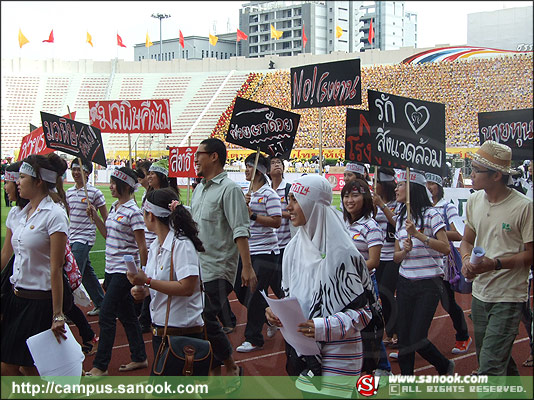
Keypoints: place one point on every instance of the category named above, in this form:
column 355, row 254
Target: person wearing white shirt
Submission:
column 125, row 235
column 39, row 238
column 177, row 239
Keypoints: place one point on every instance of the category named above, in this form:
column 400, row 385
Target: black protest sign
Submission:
column 358, row 139
column 407, row 132
column 72, row 137
column 335, row 83
column 256, row 125
column 512, row 128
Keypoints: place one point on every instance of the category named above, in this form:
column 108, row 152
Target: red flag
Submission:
column 304, row 38
column 371, row 32
column 119, row 41
column 50, row 38
column 182, row 42
column 241, row 35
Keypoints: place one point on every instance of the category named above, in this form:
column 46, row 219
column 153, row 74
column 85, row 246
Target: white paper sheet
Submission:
column 53, row 357
column 290, row 314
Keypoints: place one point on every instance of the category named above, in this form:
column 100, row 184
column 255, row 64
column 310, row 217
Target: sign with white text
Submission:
column 181, row 162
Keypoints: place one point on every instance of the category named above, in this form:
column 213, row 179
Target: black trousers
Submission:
column 455, row 311
column 387, row 275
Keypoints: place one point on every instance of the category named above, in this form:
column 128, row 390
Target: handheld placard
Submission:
column 130, row 263
column 476, row 257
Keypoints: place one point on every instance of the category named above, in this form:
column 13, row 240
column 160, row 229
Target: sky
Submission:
column 439, row 22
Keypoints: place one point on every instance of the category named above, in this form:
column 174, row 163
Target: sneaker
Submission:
column 94, row 311
column 247, row 347
column 450, row 369
column 382, row 372
column 462, row 346
column 90, row 347
column 271, row 331
column 394, row 355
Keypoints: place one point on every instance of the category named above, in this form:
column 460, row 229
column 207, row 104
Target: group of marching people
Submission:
column 287, row 237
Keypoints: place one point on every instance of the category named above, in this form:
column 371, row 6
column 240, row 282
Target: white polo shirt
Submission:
column 263, row 239
column 120, row 240
column 388, row 249
column 283, row 233
column 184, row 311
column 31, row 244
column 366, row 233
column 81, row 228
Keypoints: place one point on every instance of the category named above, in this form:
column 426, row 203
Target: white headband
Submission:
column 415, row 177
column 434, row 178
column 356, row 168
column 46, row 174
column 157, row 168
column 123, row 177
column 259, row 167
column 385, row 177
column 156, row 210
column 76, row 165
column 11, row 176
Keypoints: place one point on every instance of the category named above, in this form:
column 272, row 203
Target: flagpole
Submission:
column 321, row 141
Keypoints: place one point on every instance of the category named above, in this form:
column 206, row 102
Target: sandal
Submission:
column 528, row 362
column 96, row 372
column 133, row 366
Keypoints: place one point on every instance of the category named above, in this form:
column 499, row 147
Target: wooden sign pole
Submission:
column 254, row 170
column 129, row 151
column 188, row 178
column 320, row 141
column 408, row 193
column 375, row 178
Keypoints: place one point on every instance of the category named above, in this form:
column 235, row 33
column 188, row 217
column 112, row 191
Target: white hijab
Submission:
column 321, row 266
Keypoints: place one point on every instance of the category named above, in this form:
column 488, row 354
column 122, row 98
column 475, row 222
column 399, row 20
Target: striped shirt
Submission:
column 263, row 239
column 422, row 262
column 388, row 249
column 283, row 233
column 366, row 233
column 122, row 221
column 81, row 228
column 149, row 236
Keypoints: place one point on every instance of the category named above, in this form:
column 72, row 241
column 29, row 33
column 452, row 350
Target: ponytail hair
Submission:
column 180, row 218
column 20, row 202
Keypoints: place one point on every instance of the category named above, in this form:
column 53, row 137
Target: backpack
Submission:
column 454, row 265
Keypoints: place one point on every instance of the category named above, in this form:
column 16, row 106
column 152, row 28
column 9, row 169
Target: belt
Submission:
column 32, row 294
column 158, row 331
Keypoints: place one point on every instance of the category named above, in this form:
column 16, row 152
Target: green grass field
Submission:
column 97, row 253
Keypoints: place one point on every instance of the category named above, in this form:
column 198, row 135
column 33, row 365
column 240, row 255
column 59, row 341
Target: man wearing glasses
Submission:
column 499, row 220
column 218, row 207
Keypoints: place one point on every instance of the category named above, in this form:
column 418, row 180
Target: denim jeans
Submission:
column 496, row 327
column 118, row 303
column 78, row 317
column 387, row 275
column 89, row 278
column 417, row 301
column 264, row 265
column 383, row 362
column 455, row 311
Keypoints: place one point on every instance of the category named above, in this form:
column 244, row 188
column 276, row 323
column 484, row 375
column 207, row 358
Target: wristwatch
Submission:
column 498, row 264
column 253, row 216
column 59, row 318
column 427, row 241
column 383, row 207
column 148, row 281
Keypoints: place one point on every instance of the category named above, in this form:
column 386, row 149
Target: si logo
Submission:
column 506, row 227
column 367, row 385
column 120, row 218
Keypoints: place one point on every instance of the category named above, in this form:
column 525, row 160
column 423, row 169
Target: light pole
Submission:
column 160, row 16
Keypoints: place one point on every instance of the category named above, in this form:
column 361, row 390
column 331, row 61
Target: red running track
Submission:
column 270, row 361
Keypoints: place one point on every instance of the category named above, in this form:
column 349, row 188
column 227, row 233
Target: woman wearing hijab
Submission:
column 327, row 274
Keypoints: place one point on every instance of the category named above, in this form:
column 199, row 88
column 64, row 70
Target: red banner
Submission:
column 131, row 116
column 337, row 181
column 34, row 143
column 181, row 162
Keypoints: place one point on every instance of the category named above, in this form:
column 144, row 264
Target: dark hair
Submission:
column 388, row 187
column 368, row 208
column 143, row 164
column 165, row 182
column 87, row 165
column 214, row 145
column 54, row 163
column 441, row 192
column 419, row 202
column 180, row 219
column 121, row 185
column 20, row 202
column 262, row 160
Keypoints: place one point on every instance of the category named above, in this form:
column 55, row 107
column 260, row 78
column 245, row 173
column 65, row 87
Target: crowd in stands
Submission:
column 466, row 87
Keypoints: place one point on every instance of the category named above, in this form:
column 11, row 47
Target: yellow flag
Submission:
column 148, row 43
column 275, row 34
column 339, row 31
column 22, row 39
column 213, row 39
column 89, row 39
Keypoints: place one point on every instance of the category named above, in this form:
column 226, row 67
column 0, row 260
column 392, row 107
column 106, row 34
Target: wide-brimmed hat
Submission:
column 495, row 156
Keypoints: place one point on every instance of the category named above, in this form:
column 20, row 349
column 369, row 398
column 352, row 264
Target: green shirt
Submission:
column 218, row 207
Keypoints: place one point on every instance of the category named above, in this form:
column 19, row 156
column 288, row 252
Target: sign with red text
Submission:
column 337, row 181
column 335, row 83
column 181, row 162
column 255, row 125
column 73, row 137
column 131, row 116
column 35, row 143
column 514, row 128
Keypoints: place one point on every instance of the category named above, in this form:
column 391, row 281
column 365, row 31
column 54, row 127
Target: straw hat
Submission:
column 495, row 156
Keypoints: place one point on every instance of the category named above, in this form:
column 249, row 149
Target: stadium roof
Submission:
column 456, row 53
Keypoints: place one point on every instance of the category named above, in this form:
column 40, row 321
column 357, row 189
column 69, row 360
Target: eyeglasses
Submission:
column 203, row 152
column 478, row 171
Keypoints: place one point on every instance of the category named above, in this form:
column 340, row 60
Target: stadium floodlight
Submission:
column 160, row 16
